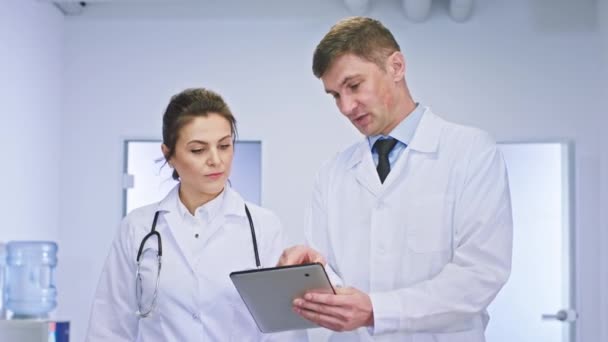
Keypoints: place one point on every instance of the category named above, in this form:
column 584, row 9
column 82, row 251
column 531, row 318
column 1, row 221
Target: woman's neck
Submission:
column 194, row 199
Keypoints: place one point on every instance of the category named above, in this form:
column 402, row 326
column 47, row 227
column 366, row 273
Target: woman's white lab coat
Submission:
column 432, row 245
column 196, row 301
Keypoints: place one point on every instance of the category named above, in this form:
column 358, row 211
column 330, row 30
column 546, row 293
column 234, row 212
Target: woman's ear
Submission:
column 165, row 151
column 396, row 66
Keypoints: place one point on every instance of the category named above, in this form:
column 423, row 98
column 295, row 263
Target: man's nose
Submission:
column 347, row 105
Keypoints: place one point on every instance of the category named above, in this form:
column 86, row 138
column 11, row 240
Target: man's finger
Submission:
column 325, row 321
column 333, row 311
column 344, row 290
column 327, row 298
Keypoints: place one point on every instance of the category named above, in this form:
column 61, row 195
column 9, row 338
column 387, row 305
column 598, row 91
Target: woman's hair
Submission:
column 187, row 105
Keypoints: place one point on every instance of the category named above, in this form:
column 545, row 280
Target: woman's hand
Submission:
column 300, row 254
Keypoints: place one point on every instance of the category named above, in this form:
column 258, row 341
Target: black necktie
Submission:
column 383, row 148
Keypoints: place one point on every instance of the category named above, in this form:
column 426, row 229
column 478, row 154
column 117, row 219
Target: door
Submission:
column 537, row 303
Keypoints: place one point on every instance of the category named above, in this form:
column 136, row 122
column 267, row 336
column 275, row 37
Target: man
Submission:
column 415, row 219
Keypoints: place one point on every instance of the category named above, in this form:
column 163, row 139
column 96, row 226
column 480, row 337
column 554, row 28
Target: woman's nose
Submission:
column 214, row 157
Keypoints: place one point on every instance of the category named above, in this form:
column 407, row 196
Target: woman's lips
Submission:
column 214, row 176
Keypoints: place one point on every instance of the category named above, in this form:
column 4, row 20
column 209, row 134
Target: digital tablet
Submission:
column 268, row 293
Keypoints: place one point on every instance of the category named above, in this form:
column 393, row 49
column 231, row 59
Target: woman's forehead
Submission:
column 210, row 128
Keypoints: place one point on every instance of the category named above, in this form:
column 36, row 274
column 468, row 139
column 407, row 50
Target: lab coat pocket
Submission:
column 429, row 224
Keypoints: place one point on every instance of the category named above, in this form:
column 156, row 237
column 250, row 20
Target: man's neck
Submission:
column 404, row 107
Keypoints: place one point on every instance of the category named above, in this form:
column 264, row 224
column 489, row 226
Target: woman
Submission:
column 204, row 231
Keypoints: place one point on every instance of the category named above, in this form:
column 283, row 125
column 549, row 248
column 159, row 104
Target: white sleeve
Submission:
column 481, row 263
column 113, row 312
column 317, row 228
column 273, row 240
column 291, row 336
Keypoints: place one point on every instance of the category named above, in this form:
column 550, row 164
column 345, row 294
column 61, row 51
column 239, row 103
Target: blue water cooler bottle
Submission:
column 30, row 291
column 2, row 272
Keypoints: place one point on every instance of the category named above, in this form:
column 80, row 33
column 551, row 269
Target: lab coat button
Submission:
column 195, row 317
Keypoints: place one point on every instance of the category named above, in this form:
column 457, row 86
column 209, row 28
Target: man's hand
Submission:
column 297, row 255
column 346, row 310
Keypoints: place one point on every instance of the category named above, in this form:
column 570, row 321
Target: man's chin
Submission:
column 367, row 131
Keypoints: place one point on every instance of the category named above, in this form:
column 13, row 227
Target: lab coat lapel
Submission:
column 364, row 169
column 171, row 216
column 425, row 143
column 396, row 170
column 425, row 140
column 232, row 205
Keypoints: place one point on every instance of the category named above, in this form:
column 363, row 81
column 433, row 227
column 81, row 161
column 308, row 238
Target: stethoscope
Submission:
column 143, row 311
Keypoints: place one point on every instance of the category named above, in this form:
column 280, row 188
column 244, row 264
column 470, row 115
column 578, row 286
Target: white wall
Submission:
column 31, row 60
column 603, row 119
column 519, row 70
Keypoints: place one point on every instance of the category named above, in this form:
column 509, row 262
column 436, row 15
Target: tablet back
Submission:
column 269, row 293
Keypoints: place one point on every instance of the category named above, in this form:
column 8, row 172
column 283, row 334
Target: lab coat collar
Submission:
column 207, row 211
column 233, row 204
column 361, row 150
column 169, row 203
column 426, row 139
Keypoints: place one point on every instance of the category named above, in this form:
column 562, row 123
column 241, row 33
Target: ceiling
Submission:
column 414, row 10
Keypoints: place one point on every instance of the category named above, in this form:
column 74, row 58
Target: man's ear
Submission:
column 396, row 66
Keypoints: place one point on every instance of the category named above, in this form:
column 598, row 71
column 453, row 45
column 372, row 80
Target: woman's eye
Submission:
column 197, row 150
column 225, row 147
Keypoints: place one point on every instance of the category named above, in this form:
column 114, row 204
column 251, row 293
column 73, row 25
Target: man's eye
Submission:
column 354, row 86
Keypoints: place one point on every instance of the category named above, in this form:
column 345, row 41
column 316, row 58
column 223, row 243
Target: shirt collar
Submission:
column 404, row 131
column 229, row 202
column 425, row 139
column 206, row 212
